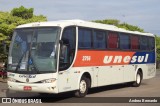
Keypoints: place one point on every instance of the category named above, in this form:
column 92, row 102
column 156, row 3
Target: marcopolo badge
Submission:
column 27, row 79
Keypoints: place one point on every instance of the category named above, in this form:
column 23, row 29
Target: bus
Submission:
column 75, row 55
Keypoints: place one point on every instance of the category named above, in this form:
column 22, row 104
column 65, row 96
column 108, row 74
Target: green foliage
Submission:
column 130, row 27
column 120, row 25
column 109, row 21
column 158, row 47
column 23, row 12
column 10, row 20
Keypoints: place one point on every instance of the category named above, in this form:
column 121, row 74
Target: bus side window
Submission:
column 134, row 42
column 143, row 43
column 68, row 45
column 124, row 41
column 84, row 38
column 113, row 40
column 99, row 41
column 151, row 43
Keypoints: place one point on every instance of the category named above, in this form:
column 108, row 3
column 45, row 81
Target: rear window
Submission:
column 151, row 43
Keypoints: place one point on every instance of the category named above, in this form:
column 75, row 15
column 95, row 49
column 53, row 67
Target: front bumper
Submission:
column 35, row 87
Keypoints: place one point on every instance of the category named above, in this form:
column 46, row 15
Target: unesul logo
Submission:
column 105, row 58
column 125, row 59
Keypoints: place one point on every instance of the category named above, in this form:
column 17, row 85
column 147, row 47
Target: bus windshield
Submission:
column 34, row 50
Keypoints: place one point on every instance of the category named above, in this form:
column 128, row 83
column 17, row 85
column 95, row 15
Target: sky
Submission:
column 142, row 13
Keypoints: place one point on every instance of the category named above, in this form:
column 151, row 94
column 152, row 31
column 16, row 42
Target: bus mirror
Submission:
column 61, row 42
column 64, row 54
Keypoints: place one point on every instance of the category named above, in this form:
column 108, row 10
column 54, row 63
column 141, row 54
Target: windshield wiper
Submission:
column 19, row 62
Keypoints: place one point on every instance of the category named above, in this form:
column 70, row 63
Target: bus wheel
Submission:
column 83, row 87
column 137, row 83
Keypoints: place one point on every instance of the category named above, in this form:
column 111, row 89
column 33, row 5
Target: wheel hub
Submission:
column 138, row 78
column 83, row 86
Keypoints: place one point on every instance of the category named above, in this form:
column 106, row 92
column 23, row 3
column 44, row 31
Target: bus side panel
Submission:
column 116, row 74
column 107, row 75
column 149, row 70
column 129, row 72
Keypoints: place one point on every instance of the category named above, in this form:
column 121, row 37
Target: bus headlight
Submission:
column 11, row 80
column 49, row 80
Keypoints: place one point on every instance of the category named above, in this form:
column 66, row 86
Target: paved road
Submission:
column 149, row 88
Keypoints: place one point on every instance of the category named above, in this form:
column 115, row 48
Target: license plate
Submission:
column 27, row 88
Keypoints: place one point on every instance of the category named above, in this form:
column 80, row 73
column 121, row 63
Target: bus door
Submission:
column 63, row 81
column 67, row 52
column 63, row 74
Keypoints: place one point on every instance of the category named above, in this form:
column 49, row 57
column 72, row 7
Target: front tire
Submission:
column 83, row 87
column 138, row 81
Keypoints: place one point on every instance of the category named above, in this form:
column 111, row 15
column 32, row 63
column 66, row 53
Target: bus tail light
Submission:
column 49, row 80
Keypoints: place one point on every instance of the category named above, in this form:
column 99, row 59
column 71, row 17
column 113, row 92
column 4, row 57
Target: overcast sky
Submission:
column 143, row 13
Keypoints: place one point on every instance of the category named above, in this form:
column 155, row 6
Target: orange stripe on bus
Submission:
column 102, row 58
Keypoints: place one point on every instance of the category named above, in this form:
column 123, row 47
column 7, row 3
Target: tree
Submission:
column 9, row 21
column 108, row 21
column 158, row 48
column 120, row 25
column 23, row 12
column 130, row 27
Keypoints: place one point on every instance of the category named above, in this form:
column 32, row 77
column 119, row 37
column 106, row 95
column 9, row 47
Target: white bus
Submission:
column 75, row 55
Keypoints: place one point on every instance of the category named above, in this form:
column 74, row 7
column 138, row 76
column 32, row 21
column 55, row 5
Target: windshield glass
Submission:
column 33, row 50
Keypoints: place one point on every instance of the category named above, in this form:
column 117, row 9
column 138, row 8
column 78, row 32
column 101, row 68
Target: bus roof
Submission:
column 64, row 23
